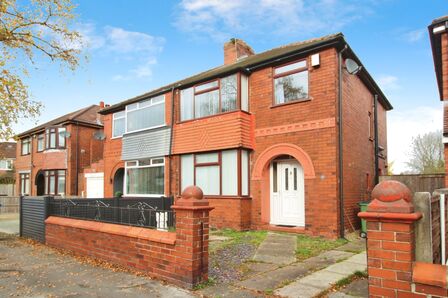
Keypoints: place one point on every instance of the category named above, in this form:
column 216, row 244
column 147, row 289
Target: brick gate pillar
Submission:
column 192, row 235
column 390, row 240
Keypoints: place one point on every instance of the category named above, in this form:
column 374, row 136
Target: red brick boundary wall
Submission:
column 392, row 269
column 179, row 257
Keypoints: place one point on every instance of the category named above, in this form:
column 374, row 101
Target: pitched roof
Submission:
column 84, row 116
column 8, row 150
column 251, row 63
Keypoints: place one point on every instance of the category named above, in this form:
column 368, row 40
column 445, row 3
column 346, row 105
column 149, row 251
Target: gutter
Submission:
column 341, row 155
column 435, row 30
column 171, row 141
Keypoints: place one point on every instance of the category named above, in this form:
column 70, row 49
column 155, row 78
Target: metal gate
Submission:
column 33, row 212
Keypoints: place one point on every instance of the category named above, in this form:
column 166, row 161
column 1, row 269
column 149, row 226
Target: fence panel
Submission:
column 420, row 182
column 9, row 205
column 33, row 213
column 7, row 190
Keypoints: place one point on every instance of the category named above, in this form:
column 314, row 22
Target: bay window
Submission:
column 217, row 173
column 55, row 138
column 291, row 82
column 26, row 146
column 219, row 96
column 24, row 184
column 55, row 182
column 145, row 114
column 118, row 124
column 145, row 177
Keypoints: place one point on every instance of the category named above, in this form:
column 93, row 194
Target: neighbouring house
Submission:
column 286, row 139
column 438, row 35
column 7, row 160
column 52, row 157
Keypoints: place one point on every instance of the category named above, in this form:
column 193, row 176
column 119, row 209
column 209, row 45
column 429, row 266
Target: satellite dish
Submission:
column 352, row 67
column 65, row 134
column 99, row 135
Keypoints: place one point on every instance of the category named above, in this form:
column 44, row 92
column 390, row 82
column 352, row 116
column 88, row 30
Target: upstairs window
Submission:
column 55, row 138
column 211, row 98
column 40, row 142
column 26, row 146
column 118, row 124
column 145, row 114
column 291, row 82
column 6, row 164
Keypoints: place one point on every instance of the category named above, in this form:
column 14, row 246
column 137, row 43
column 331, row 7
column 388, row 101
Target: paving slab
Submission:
column 226, row 290
column 331, row 256
column 277, row 249
column 358, row 259
column 321, row 279
column 358, row 288
column 357, row 245
column 346, row 268
column 298, row 291
column 10, row 223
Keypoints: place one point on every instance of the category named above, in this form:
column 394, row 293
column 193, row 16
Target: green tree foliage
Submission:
column 427, row 154
column 28, row 29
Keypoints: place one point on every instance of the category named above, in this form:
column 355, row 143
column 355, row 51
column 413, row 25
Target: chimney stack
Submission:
column 102, row 104
column 236, row 49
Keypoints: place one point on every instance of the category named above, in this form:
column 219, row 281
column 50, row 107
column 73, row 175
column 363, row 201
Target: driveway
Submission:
column 34, row 270
column 9, row 223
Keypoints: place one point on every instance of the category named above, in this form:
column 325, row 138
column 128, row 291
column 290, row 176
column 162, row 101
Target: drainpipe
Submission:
column 375, row 121
column 77, row 157
column 341, row 166
column 171, row 141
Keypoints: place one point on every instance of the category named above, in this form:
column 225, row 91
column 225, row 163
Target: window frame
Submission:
column 113, row 123
column 42, row 137
column 218, row 87
column 28, row 141
column 287, row 73
column 219, row 163
column 140, row 108
column 25, row 177
column 9, row 164
column 56, row 181
column 138, row 166
column 48, row 131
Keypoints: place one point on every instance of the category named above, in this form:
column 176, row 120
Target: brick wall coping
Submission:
column 120, row 230
column 430, row 274
column 183, row 207
column 396, row 217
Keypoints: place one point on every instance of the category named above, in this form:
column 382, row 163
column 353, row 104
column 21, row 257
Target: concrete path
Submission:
column 277, row 249
column 319, row 281
column 358, row 288
column 9, row 223
column 36, row 271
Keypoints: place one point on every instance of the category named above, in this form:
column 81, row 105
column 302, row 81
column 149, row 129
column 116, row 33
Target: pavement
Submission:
column 274, row 270
column 34, row 270
column 9, row 223
column 358, row 288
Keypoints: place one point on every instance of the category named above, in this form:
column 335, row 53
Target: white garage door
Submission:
column 95, row 185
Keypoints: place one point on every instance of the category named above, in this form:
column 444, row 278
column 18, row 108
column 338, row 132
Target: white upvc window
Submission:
column 145, row 114
column 6, row 164
column 118, row 124
column 145, row 177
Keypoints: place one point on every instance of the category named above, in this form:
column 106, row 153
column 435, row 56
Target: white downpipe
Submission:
column 442, row 227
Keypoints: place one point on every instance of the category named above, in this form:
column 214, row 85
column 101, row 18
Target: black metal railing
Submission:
column 153, row 213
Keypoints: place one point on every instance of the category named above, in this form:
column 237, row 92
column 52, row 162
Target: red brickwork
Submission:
column 391, row 248
column 179, row 257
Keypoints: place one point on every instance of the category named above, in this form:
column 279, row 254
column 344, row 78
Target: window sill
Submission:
column 290, row 103
column 142, row 196
column 371, row 139
column 119, row 137
column 217, row 197
column 53, row 150
column 211, row 116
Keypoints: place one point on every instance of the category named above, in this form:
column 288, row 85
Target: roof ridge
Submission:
column 78, row 113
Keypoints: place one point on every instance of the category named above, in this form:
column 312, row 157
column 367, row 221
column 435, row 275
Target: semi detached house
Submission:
column 286, row 139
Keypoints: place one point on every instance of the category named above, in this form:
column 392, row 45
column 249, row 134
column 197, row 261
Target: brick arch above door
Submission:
column 283, row 149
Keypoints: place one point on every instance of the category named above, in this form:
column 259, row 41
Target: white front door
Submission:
column 95, row 185
column 287, row 193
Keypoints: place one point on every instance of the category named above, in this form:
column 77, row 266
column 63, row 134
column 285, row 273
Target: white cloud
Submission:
column 140, row 50
column 414, row 35
column 388, row 82
column 223, row 19
column 403, row 125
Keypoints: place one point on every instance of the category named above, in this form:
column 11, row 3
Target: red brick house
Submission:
column 438, row 34
column 51, row 157
column 285, row 139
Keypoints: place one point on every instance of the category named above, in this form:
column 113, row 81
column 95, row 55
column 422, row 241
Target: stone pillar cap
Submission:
column 193, row 197
column 391, row 197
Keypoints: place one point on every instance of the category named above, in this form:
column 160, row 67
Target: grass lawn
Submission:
column 236, row 237
column 312, row 246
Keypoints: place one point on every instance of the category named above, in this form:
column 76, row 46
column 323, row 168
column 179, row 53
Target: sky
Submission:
column 134, row 46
